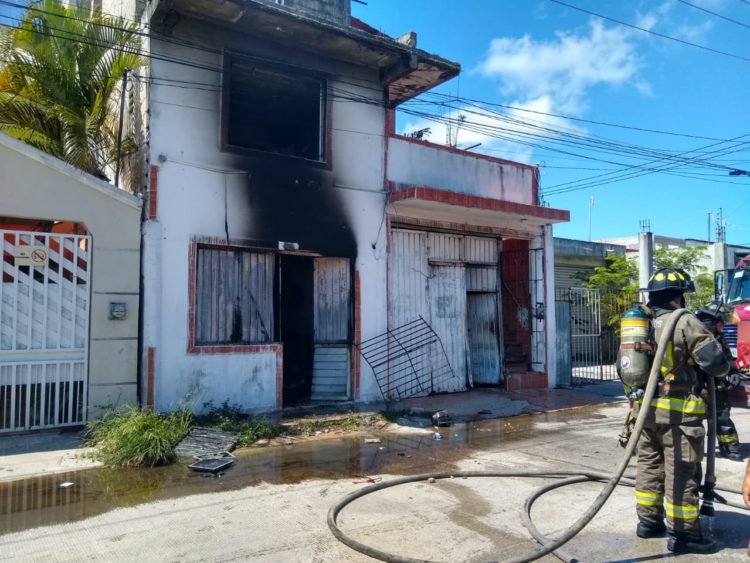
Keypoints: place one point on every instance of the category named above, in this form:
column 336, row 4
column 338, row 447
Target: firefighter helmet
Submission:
column 670, row 278
column 715, row 311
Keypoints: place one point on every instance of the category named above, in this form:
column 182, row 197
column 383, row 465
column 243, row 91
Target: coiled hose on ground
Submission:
column 567, row 478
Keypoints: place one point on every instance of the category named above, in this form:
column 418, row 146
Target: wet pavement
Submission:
column 272, row 504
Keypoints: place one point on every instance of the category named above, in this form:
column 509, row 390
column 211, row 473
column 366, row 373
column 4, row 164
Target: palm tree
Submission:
column 60, row 75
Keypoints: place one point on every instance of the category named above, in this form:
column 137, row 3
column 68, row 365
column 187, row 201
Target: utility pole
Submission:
column 709, row 227
column 119, row 130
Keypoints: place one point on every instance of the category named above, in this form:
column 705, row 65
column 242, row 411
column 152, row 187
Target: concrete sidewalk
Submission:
column 48, row 452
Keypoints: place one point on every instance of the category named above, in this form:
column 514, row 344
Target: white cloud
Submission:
column 496, row 129
column 564, row 68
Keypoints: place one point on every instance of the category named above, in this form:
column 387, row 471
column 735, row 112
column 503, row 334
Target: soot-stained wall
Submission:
column 296, row 202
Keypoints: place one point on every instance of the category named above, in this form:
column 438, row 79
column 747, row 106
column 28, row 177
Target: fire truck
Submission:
column 737, row 296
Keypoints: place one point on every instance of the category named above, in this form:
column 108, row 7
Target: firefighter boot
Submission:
column 647, row 529
column 730, row 451
column 689, row 543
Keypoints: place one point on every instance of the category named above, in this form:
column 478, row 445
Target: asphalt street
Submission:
column 280, row 515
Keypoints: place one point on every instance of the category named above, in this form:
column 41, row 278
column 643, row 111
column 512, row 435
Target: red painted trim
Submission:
column 401, row 193
column 390, row 123
column 153, row 187
column 356, row 361
column 150, row 369
column 461, row 152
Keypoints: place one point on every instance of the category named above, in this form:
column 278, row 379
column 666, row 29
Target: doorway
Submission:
column 315, row 328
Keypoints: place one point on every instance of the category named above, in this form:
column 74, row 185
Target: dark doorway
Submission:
column 296, row 327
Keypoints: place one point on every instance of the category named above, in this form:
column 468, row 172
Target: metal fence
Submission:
column 593, row 326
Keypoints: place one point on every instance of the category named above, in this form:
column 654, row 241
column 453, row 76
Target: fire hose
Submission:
column 566, row 478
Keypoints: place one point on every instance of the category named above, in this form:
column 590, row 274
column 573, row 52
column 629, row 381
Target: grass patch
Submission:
column 231, row 419
column 392, row 415
column 133, row 437
column 348, row 422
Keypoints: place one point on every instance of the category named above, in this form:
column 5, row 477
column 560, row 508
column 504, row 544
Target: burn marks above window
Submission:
column 273, row 111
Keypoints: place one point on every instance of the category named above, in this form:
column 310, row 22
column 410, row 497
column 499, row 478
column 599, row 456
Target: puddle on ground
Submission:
column 66, row 497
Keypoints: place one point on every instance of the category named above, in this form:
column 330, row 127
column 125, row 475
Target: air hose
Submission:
column 547, row 545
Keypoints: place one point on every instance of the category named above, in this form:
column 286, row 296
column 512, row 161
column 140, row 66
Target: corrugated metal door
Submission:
column 44, row 330
column 484, row 333
column 332, row 320
column 407, row 278
column 447, row 291
column 482, row 330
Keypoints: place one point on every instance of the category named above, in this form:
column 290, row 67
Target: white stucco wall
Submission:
column 35, row 185
column 199, row 187
column 423, row 165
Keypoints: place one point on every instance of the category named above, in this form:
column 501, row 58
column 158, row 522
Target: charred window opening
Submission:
column 233, row 296
column 273, row 111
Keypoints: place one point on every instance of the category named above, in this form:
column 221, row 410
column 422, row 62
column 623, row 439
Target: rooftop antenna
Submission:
column 645, row 225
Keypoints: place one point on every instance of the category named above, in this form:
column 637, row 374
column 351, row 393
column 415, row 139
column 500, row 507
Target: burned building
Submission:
column 287, row 222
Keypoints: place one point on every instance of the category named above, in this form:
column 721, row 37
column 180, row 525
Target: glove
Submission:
column 732, row 380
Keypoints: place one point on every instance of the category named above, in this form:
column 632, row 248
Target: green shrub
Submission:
column 135, row 437
column 231, row 419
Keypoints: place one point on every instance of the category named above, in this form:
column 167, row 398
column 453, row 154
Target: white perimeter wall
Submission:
column 35, row 185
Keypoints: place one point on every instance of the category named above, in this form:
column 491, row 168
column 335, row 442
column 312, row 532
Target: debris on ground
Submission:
column 372, row 440
column 213, row 463
column 203, row 442
column 441, row 418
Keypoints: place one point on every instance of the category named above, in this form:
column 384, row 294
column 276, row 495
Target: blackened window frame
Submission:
column 324, row 111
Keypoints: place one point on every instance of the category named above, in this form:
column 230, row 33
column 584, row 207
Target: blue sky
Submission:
column 541, row 55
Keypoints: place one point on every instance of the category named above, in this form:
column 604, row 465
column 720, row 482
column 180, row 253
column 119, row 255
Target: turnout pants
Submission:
column 666, row 475
column 726, row 433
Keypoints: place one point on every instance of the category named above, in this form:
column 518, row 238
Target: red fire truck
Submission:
column 738, row 297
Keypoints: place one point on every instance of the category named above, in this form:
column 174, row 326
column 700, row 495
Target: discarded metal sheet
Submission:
column 212, row 464
column 201, row 442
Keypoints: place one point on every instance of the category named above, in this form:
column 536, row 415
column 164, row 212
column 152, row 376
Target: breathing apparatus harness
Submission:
column 635, row 361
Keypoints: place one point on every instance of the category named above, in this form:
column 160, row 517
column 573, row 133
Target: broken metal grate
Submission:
column 408, row 361
column 200, row 441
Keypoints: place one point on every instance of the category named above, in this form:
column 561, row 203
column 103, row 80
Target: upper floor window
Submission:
column 274, row 111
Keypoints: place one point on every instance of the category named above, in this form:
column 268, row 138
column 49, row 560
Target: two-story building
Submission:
column 288, row 225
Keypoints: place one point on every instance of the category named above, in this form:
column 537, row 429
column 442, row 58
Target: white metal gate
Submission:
column 44, row 325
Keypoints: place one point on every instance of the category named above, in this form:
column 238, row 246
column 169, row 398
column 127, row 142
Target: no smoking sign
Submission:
column 36, row 256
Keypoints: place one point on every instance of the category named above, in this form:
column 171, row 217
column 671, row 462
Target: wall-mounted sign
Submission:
column 37, row 256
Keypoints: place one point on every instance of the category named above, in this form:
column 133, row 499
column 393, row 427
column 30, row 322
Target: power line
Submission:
column 524, row 136
column 656, row 33
column 714, row 13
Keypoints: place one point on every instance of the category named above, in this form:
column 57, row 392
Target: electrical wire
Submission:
column 523, row 132
column 655, row 33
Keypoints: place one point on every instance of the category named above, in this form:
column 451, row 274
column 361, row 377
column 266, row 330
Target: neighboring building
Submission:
column 718, row 256
column 287, row 222
column 575, row 260
column 69, row 296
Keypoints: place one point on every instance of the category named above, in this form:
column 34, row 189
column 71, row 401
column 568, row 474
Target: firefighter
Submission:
column 713, row 316
column 671, row 445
